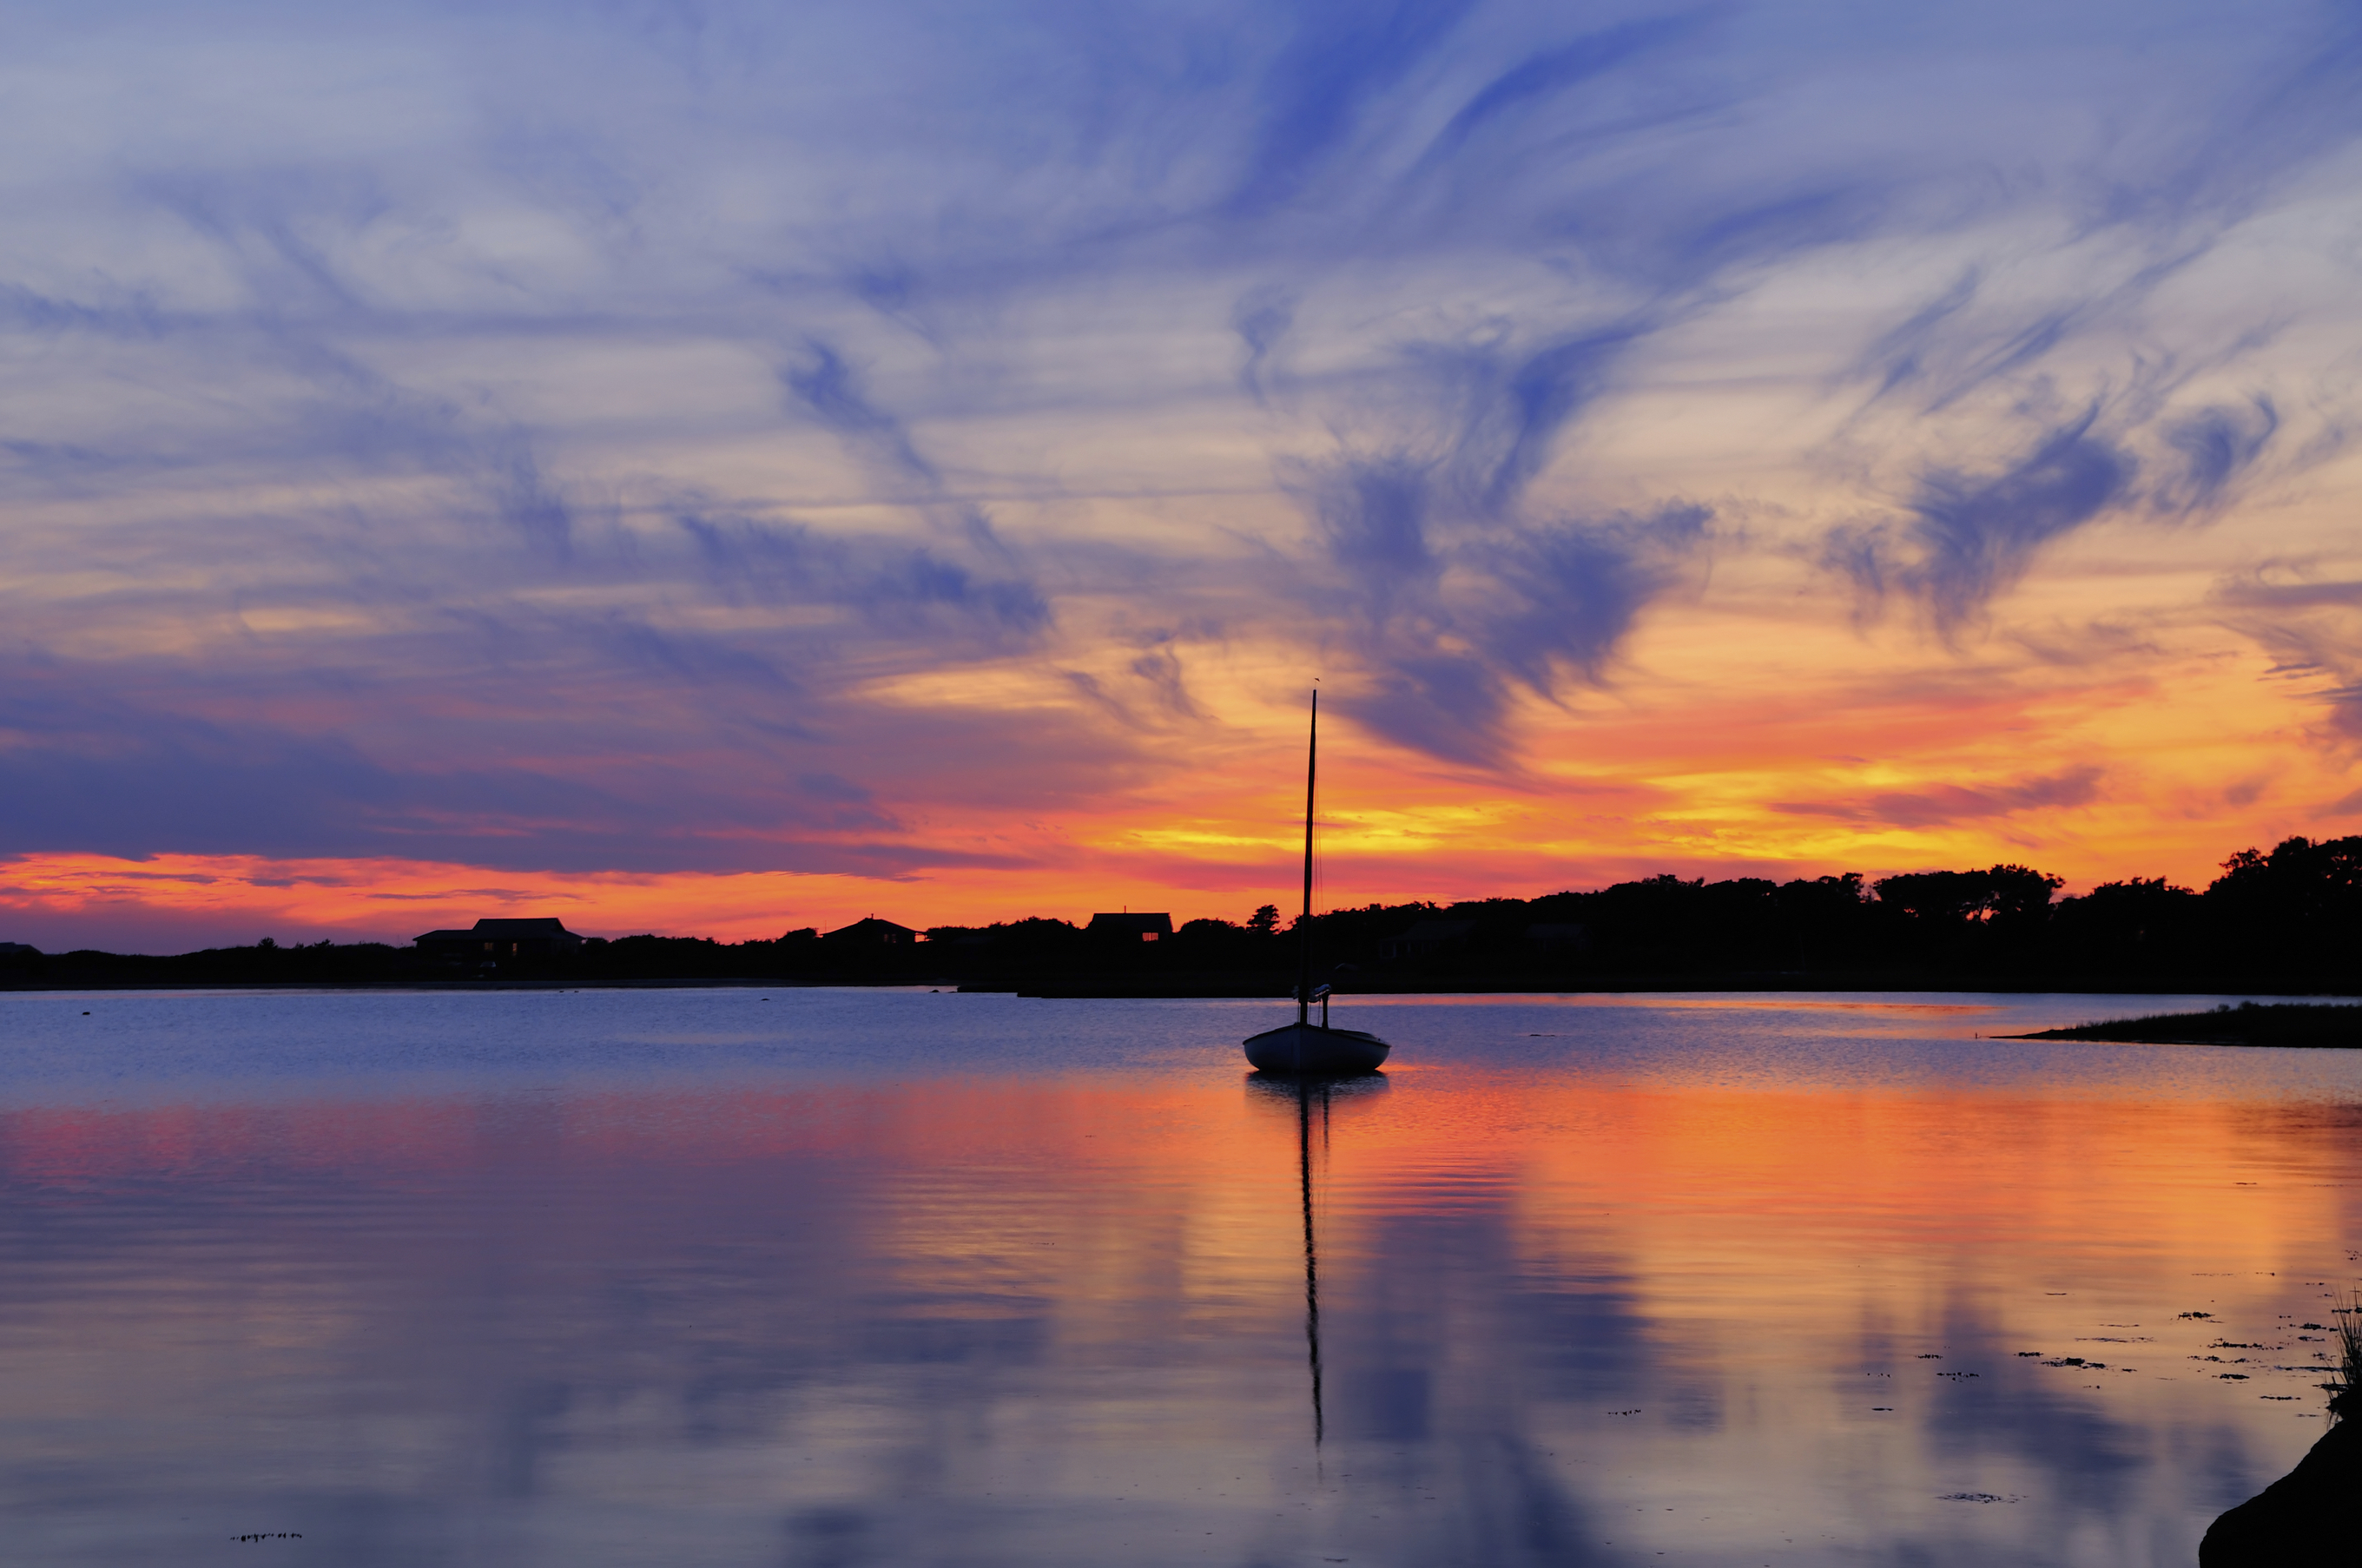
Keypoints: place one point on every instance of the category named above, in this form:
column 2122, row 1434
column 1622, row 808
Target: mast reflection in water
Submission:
column 1311, row 1099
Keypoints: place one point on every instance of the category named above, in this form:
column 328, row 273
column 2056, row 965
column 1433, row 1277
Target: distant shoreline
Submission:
column 2284, row 924
column 1253, row 988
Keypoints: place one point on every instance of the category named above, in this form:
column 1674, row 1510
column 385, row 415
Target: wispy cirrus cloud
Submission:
column 560, row 441
column 1970, row 536
column 1949, row 803
column 2313, row 629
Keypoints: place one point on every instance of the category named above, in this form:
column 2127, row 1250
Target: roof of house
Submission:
column 1129, row 922
column 16, row 947
column 534, row 928
column 872, row 927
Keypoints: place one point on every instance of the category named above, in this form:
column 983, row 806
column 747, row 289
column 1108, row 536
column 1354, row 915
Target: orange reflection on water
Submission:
column 1065, row 1319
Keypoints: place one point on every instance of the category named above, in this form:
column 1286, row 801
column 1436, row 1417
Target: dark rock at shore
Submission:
column 2305, row 1517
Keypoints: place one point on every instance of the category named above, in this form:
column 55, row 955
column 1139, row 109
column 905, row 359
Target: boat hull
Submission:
column 1308, row 1048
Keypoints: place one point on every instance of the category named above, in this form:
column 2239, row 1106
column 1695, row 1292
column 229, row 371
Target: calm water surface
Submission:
column 835, row 1277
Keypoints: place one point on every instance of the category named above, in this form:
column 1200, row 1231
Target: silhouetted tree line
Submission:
column 2289, row 920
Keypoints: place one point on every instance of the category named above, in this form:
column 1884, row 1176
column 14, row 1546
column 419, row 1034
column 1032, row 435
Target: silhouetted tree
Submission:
column 1940, row 899
column 2141, row 926
column 1997, row 916
column 2017, row 898
column 2297, row 908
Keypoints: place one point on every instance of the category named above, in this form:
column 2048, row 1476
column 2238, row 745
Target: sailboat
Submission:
column 1304, row 1046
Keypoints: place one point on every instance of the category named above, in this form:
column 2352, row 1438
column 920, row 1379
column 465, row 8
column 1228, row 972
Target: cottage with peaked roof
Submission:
column 871, row 932
column 1130, row 927
column 539, row 937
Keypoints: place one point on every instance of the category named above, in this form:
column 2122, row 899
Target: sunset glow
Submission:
column 721, row 474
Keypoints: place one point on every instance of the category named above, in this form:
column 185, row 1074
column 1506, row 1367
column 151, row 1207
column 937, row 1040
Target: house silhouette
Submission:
column 1129, row 927
column 539, row 937
column 871, row 932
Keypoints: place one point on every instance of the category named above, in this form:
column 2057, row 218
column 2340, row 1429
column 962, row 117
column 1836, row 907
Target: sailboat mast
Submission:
column 1304, row 948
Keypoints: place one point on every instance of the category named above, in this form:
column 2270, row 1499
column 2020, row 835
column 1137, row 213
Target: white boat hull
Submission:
column 1309, row 1048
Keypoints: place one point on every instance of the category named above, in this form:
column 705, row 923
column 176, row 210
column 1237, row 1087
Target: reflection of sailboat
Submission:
column 1311, row 1256
column 1304, row 1091
column 1304, row 1046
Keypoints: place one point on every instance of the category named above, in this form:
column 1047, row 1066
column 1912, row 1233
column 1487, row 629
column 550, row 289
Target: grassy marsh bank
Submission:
column 2291, row 1024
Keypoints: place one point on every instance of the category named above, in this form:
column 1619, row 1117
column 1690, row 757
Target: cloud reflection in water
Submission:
column 1588, row 1309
